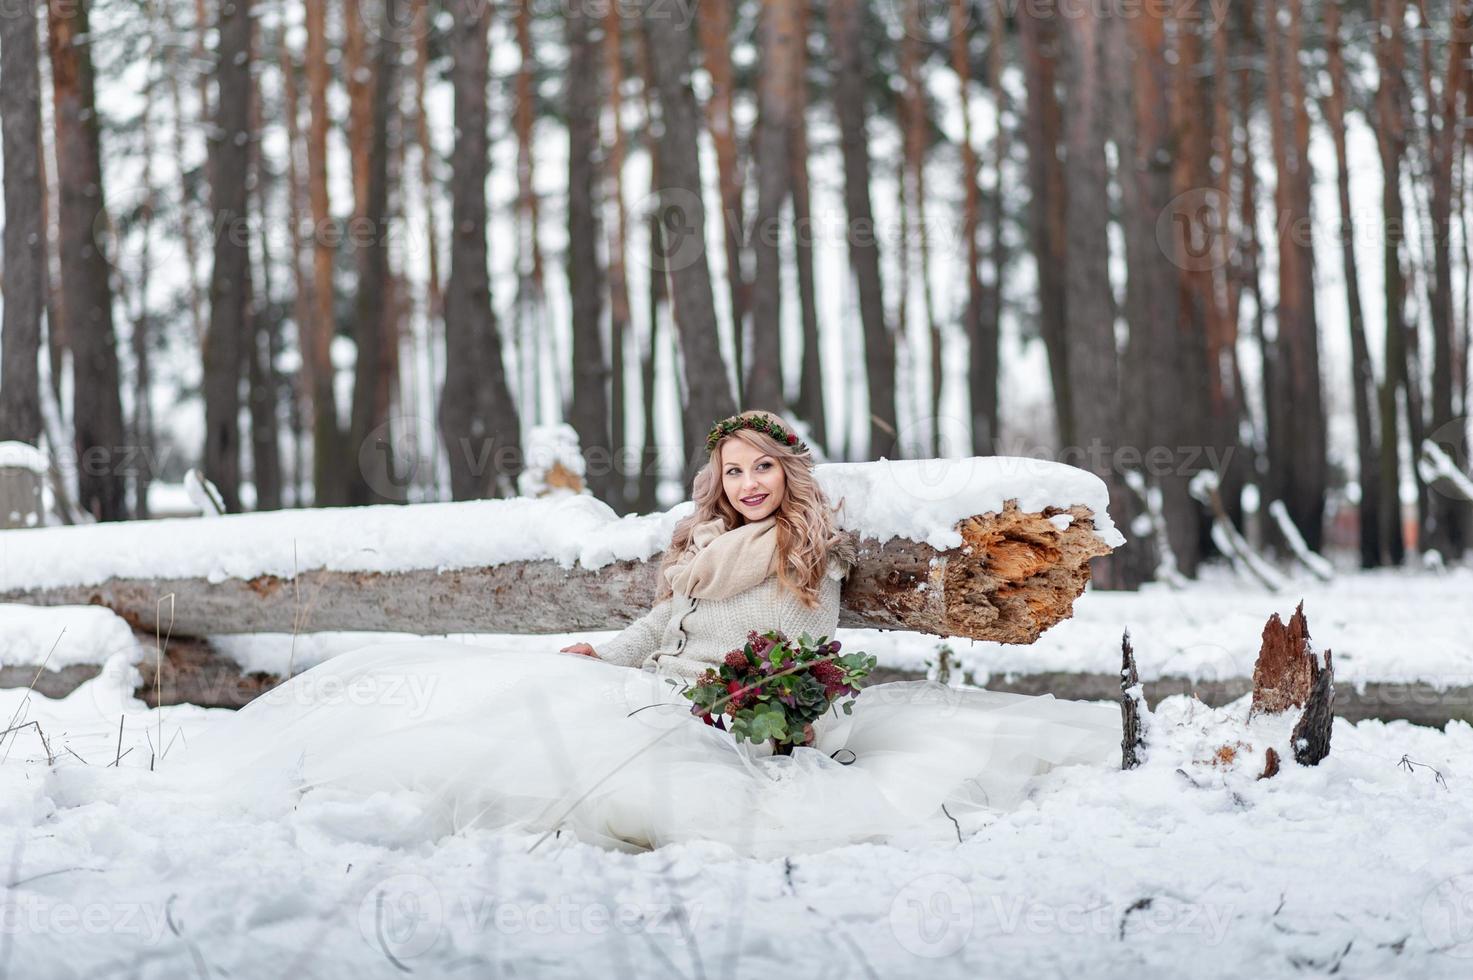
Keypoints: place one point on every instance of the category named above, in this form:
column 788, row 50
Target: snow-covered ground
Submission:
column 1361, row 866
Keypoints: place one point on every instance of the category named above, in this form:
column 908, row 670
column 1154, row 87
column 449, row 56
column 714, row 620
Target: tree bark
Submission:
column 713, row 23
column 478, row 419
column 620, row 328
column 846, row 19
column 371, row 476
column 708, row 395
column 982, row 339
column 1451, row 518
column 1015, row 575
column 87, row 305
column 810, row 407
column 1298, row 467
column 1391, row 140
column 329, row 484
column 780, row 34
column 1362, row 376
column 1093, row 375
column 25, row 231
column 591, row 366
column 230, row 329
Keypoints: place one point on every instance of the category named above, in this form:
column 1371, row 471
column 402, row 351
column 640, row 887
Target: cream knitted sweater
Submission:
column 683, row 636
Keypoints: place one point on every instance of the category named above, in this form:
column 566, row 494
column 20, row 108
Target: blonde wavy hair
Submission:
column 807, row 533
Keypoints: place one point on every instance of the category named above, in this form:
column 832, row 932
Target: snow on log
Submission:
column 993, row 548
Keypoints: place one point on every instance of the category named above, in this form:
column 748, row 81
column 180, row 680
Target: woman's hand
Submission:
column 580, row 648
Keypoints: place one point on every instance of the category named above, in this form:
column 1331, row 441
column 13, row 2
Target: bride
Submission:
column 599, row 744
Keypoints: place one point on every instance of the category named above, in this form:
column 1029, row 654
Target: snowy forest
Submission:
column 350, row 253
column 358, row 362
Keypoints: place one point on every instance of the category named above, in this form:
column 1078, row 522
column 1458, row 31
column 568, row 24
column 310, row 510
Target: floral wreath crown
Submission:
column 757, row 423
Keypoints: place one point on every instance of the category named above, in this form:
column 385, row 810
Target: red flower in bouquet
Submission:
column 774, row 688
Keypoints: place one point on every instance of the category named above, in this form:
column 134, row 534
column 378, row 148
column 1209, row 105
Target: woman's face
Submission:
column 753, row 481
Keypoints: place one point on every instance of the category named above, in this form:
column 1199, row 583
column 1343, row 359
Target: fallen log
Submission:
column 1006, row 573
column 1015, row 576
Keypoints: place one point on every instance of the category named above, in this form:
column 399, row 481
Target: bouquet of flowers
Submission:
column 775, row 688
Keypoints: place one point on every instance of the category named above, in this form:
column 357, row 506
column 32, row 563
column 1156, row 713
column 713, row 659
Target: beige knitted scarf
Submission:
column 720, row 563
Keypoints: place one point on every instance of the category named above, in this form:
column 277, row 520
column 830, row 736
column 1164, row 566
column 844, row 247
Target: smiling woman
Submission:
column 752, row 479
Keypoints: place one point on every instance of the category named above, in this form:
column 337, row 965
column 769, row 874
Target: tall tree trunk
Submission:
column 1206, row 398
column 591, row 370
column 230, row 315
column 810, row 407
column 370, row 460
column 329, row 476
column 1298, row 468
column 849, row 65
column 87, row 306
column 1235, row 468
column 434, row 298
column 620, row 328
column 531, row 334
column 659, row 293
column 25, row 231
column 263, row 343
column 302, row 301
column 708, row 396
column 1093, row 361
column 713, row 22
column 478, row 419
column 982, row 374
column 1158, row 382
column 1450, row 517
column 359, row 81
column 780, row 34
column 916, row 127
column 1038, row 31
column 186, row 190
column 1391, row 140
column 1362, row 377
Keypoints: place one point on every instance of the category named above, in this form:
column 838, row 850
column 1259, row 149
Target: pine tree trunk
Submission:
column 299, row 211
column 1038, row 31
column 713, row 22
column 25, row 231
column 779, row 31
column 1093, row 368
column 1451, row 517
column 659, row 294
column 371, row 476
column 86, row 301
column 230, row 333
column 1391, row 139
column 982, row 339
column 590, row 402
column 186, row 195
column 810, row 407
column 530, row 332
column 329, row 477
column 620, row 328
column 1156, row 367
column 708, row 396
column 846, row 32
column 478, row 419
column 1362, row 377
column 263, row 342
column 1298, row 473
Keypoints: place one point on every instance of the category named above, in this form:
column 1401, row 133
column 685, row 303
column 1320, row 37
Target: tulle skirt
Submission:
column 527, row 739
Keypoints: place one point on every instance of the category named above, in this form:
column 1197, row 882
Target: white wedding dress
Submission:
column 526, row 738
